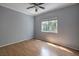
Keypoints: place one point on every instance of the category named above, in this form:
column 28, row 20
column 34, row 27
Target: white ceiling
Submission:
column 21, row 7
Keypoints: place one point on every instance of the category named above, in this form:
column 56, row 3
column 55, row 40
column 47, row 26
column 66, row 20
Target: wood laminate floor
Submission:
column 36, row 48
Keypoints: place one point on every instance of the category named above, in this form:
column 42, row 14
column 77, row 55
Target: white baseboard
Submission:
column 14, row 42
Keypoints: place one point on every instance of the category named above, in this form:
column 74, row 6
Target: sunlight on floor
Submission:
column 46, row 52
column 60, row 47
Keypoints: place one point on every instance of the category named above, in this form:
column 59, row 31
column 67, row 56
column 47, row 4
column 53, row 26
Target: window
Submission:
column 49, row 26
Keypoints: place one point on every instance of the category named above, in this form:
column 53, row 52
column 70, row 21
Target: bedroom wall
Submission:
column 68, row 29
column 14, row 26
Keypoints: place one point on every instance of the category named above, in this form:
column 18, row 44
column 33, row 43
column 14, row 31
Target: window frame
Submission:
column 56, row 31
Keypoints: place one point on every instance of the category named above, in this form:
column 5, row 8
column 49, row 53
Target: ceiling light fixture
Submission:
column 36, row 6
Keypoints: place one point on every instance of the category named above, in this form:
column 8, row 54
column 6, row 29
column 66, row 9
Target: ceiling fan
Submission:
column 36, row 6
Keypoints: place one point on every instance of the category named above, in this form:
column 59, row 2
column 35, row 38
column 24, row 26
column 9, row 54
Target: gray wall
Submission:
column 14, row 26
column 68, row 29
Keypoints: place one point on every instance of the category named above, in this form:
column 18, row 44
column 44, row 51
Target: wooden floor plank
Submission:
column 36, row 48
